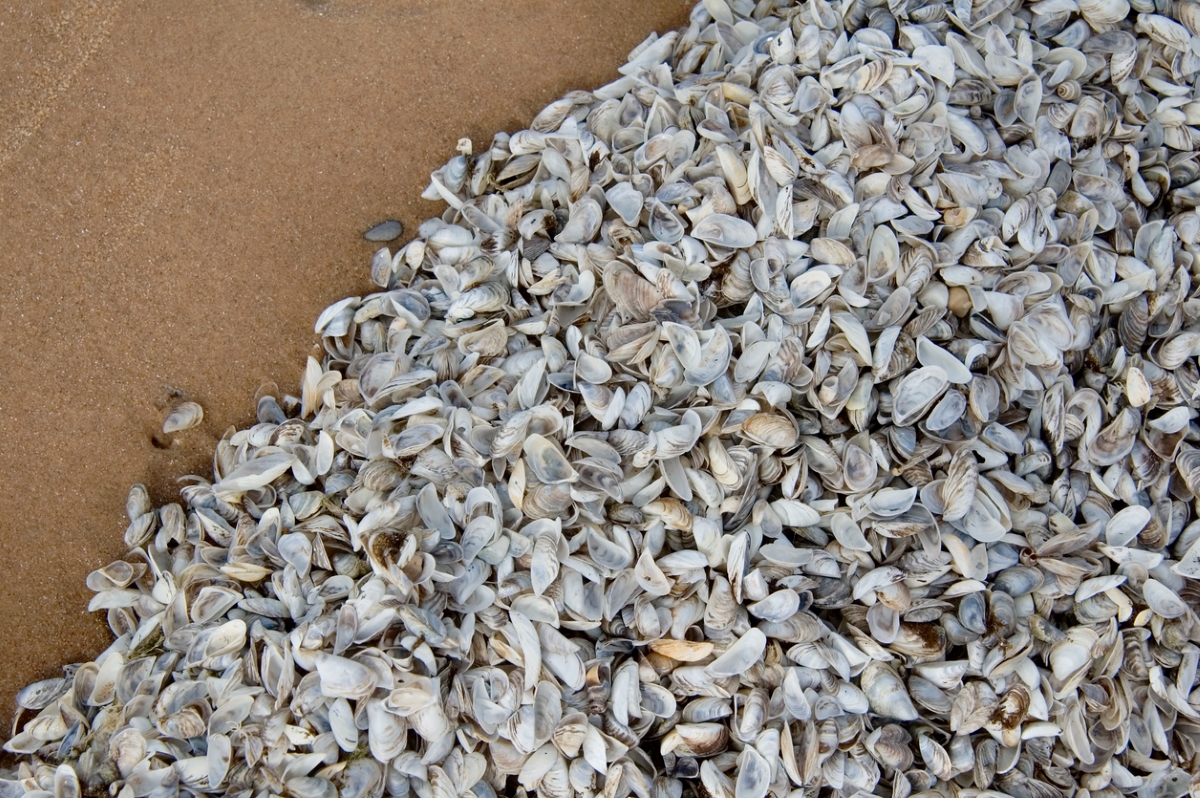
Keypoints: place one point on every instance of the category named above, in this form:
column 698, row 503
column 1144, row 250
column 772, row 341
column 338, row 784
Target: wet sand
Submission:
column 182, row 190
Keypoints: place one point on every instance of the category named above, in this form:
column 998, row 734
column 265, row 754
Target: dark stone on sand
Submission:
column 384, row 231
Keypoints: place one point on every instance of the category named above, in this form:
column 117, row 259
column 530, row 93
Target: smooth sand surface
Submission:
column 183, row 187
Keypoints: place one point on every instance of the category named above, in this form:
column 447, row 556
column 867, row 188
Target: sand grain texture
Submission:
column 182, row 190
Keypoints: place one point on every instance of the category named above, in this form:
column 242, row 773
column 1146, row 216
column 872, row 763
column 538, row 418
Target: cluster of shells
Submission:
column 807, row 412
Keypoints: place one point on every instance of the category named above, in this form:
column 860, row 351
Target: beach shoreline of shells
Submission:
column 807, row 412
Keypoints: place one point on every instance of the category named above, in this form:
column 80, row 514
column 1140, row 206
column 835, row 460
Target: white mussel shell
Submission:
column 344, row 678
column 184, row 416
column 779, row 606
column 930, row 354
column 725, row 231
column 891, row 502
column 740, row 656
column 547, row 461
column 626, row 201
column 886, row 693
column 917, row 391
column 1123, row 527
column 1162, row 600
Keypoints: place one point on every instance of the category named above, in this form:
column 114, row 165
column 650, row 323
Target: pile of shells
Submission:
column 807, row 412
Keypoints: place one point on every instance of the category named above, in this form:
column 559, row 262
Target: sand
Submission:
column 183, row 187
